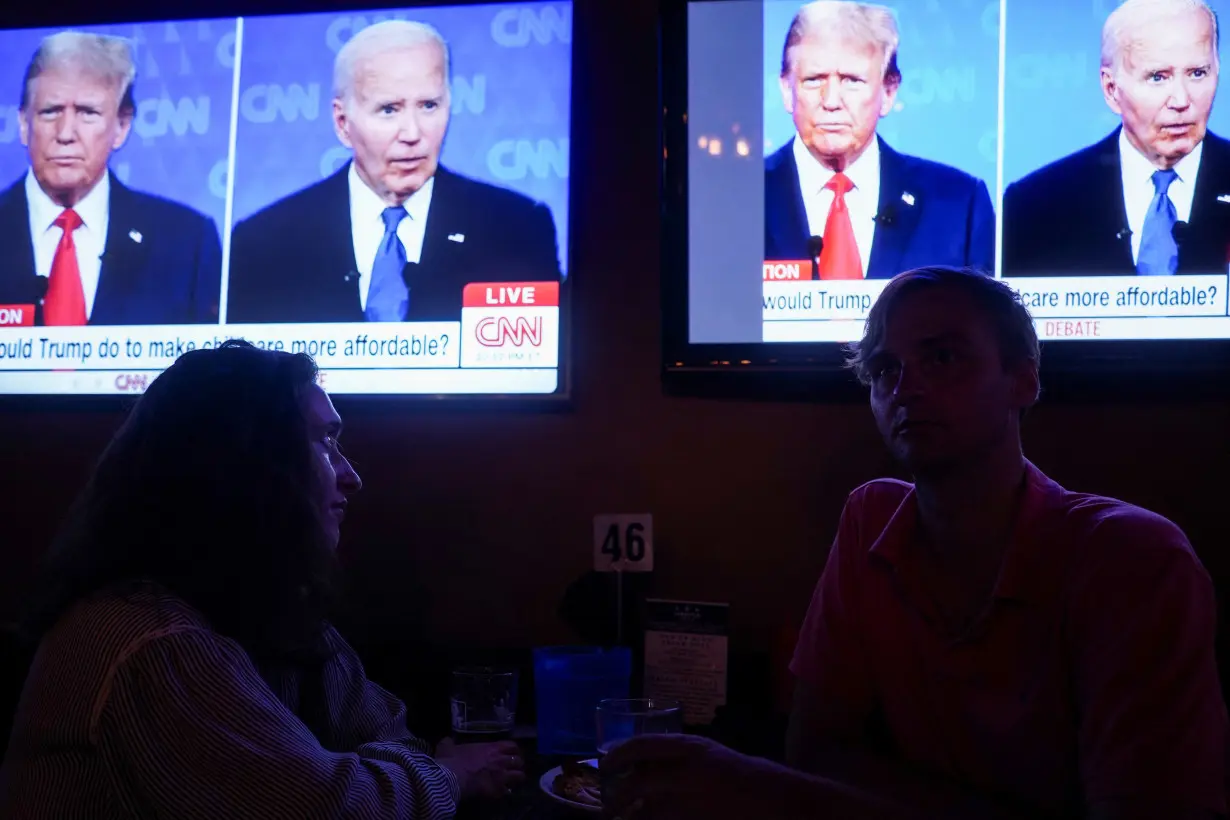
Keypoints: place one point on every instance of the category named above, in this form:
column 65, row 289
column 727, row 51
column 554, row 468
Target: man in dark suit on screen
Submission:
column 1153, row 198
column 878, row 212
column 393, row 236
column 75, row 243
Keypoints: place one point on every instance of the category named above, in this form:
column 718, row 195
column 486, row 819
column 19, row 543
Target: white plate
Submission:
column 547, row 779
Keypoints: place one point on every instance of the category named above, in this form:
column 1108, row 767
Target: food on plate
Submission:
column 579, row 783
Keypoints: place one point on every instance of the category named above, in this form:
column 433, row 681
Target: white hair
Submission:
column 378, row 38
column 1121, row 27
column 100, row 56
column 862, row 22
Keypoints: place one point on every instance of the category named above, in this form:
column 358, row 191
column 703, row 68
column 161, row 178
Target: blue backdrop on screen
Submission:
column 511, row 68
column 178, row 144
column 948, row 105
column 1053, row 102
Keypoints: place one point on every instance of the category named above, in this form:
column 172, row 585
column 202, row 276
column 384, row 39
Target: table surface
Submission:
column 527, row 802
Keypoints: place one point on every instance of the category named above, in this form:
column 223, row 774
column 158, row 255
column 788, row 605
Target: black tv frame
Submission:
column 70, row 13
column 1117, row 370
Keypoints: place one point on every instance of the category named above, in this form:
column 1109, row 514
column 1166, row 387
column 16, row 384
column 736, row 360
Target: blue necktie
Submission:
column 388, row 297
column 1159, row 254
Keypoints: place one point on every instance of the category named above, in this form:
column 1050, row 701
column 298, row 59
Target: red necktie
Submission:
column 839, row 258
column 65, row 300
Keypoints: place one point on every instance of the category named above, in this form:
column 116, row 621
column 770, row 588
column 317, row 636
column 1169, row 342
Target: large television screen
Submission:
column 1072, row 149
column 386, row 190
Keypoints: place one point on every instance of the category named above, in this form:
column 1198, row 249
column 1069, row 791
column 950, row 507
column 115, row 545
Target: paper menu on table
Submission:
column 686, row 655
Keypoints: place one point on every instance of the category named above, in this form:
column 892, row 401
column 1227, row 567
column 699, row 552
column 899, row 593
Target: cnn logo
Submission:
column 509, row 331
column 131, row 382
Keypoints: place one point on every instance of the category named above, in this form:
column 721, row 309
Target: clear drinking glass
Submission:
column 622, row 718
column 483, row 702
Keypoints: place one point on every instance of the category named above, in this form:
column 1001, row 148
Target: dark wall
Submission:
column 472, row 523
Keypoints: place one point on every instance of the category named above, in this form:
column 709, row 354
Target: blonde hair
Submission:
column 1132, row 14
column 864, row 22
column 377, row 38
column 100, row 56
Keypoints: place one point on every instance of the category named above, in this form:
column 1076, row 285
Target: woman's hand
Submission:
column 483, row 770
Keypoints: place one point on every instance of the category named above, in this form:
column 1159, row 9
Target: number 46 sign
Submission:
column 623, row 543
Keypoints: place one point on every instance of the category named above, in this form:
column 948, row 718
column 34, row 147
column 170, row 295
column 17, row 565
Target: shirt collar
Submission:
column 1022, row 570
column 813, row 175
column 92, row 208
column 367, row 206
column 1137, row 167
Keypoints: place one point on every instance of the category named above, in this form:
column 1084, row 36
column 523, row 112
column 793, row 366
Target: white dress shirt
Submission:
column 862, row 201
column 1138, row 190
column 90, row 238
column 367, row 226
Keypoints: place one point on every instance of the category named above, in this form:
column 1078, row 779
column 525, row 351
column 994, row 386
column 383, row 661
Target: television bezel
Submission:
column 73, row 13
column 1107, row 369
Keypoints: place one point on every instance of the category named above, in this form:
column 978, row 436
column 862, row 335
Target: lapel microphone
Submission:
column 1123, row 233
column 409, row 273
column 815, row 244
column 888, row 216
column 39, row 287
column 1180, row 231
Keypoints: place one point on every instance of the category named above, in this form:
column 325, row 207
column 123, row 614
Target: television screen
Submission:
column 384, row 190
column 1071, row 148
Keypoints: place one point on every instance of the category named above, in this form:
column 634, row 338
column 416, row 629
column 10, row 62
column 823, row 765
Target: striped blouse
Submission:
column 134, row 708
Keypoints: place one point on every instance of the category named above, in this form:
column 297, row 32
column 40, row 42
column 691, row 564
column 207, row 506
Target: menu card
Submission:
column 686, row 655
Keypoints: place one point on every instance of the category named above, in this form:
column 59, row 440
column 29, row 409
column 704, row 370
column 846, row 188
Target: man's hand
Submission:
column 683, row 776
column 483, row 770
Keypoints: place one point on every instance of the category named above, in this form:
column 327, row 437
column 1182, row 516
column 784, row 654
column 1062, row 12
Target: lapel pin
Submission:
column 1224, row 198
column 908, row 198
column 135, row 236
column 456, row 237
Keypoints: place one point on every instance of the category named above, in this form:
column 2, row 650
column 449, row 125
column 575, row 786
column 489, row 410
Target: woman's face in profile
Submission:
column 336, row 478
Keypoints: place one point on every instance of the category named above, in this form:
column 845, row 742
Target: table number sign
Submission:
column 623, row 543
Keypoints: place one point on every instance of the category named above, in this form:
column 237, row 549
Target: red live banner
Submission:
column 791, row 270
column 510, row 294
column 16, row 315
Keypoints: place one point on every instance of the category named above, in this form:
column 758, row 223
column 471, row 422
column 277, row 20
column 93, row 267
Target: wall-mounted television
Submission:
column 814, row 150
column 386, row 189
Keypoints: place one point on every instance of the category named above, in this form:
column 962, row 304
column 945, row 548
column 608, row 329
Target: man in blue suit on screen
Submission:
column 394, row 235
column 1153, row 197
column 76, row 243
column 878, row 211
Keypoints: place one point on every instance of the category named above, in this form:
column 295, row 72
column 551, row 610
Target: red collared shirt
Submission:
column 1091, row 676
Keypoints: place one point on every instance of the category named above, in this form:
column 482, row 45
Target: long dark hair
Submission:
column 207, row 490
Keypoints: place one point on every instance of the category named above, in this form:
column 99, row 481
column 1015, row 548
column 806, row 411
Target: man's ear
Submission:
column 341, row 122
column 1026, row 384
column 786, row 84
column 124, row 129
column 1110, row 90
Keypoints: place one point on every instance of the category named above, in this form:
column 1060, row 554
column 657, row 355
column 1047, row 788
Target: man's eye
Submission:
column 882, row 371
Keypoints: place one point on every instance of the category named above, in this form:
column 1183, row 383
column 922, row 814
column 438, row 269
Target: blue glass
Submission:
column 569, row 682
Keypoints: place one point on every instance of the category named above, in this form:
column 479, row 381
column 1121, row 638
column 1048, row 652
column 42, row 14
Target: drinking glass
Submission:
column 483, row 703
column 569, row 683
column 622, row 718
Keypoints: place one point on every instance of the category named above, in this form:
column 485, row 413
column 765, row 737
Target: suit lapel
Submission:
column 444, row 219
column 1105, row 227
column 125, row 256
column 340, row 271
column 17, row 250
column 785, row 214
column 898, row 211
column 1207, row 247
